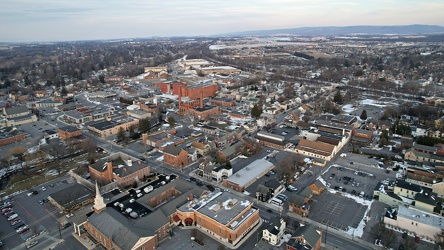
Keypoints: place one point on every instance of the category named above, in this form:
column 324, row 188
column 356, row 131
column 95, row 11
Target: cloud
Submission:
column 90, row 19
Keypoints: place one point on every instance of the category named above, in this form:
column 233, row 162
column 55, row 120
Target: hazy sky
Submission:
column 56, row 20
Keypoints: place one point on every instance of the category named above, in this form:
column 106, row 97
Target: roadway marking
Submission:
column 26, row 210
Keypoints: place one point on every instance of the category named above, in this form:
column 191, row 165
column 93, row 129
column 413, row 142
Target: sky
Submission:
column 68, row 20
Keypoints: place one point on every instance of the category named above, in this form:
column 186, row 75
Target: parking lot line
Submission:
column 26, row 210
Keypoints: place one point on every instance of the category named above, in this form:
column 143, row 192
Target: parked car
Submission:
column 22, row 230
column 31, row 244
column 12, row 216
column 15, row 222
column 69, row 215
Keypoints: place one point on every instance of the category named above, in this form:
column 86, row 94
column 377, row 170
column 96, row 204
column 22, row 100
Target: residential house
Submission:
column 274, row 231
column 305, row 237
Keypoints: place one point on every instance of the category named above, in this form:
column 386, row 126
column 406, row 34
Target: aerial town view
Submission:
column 292, row 125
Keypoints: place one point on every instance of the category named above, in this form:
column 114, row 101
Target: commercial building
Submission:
column 68, row 132
column 71, row 198
column 316, row 149
column 17, row 115
column 227, row 217
column 111, row 127
column 248, row 175
column 423, row 224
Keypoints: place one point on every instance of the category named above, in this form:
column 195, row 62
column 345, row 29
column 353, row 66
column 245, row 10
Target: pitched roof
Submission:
column 309, row 233
column 319, row 148
column 16, row 110
column 113, row 225
column 297, row 200
column 172, row 150
column 198, row 145
column 261, row 189
column 72, row 195
column 272, row 183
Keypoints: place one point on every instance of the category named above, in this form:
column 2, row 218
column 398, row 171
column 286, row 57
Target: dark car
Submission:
column 192, row 179
column 210, row 187
column 270, row 211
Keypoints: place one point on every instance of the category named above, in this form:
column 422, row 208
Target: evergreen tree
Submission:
column 338, row 98
column 63, row 92
column 171, row 120
column 363, row 115
column 144, row 125
column 256, row 111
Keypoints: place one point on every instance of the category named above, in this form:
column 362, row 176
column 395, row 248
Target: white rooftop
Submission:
column 250, row 172
column 421, row 216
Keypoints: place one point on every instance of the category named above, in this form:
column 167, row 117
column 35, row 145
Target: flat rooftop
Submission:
column 250, row 172
column 223, row 207
column 420, row 216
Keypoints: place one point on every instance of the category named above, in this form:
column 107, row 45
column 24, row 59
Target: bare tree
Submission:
column 409, row 243
column 390, row 237
column 378, row 230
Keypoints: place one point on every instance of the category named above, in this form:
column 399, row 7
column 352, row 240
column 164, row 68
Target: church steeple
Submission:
column 99, row 205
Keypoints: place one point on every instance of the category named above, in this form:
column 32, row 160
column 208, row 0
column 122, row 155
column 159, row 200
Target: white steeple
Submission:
column 99, row 205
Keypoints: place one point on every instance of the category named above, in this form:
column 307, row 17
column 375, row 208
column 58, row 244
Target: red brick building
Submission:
column 301, row 203
column 68, row 132
column 223, row 102
column 225, row 216
column 112, row 230
column 8, row 138
column 305, row 237
column 124, row 172
column 175, row 156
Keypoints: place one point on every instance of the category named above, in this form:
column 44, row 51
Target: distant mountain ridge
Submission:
column 415, row 29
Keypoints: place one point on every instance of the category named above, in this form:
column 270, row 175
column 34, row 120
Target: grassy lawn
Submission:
column 26, row 182
column 20, row 182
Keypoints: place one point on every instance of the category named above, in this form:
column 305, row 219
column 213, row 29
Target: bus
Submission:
column 276, row 201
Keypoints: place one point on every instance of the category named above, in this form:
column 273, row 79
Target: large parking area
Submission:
column 337, row 211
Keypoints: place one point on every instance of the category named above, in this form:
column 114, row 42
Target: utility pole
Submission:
column 60, row 231
column 326, row 232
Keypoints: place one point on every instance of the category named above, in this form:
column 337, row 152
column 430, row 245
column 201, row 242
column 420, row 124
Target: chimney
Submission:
column 129, row 162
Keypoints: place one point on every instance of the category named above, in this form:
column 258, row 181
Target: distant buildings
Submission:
column 16, row 115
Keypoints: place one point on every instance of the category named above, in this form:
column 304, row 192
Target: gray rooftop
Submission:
column 16, row 110
column 420, row 216
column 72, row 195
column 222, row 207
column 250, row 172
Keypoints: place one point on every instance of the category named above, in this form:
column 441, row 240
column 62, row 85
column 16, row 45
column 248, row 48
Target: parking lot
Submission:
column 38, row 217
column 337, row 211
